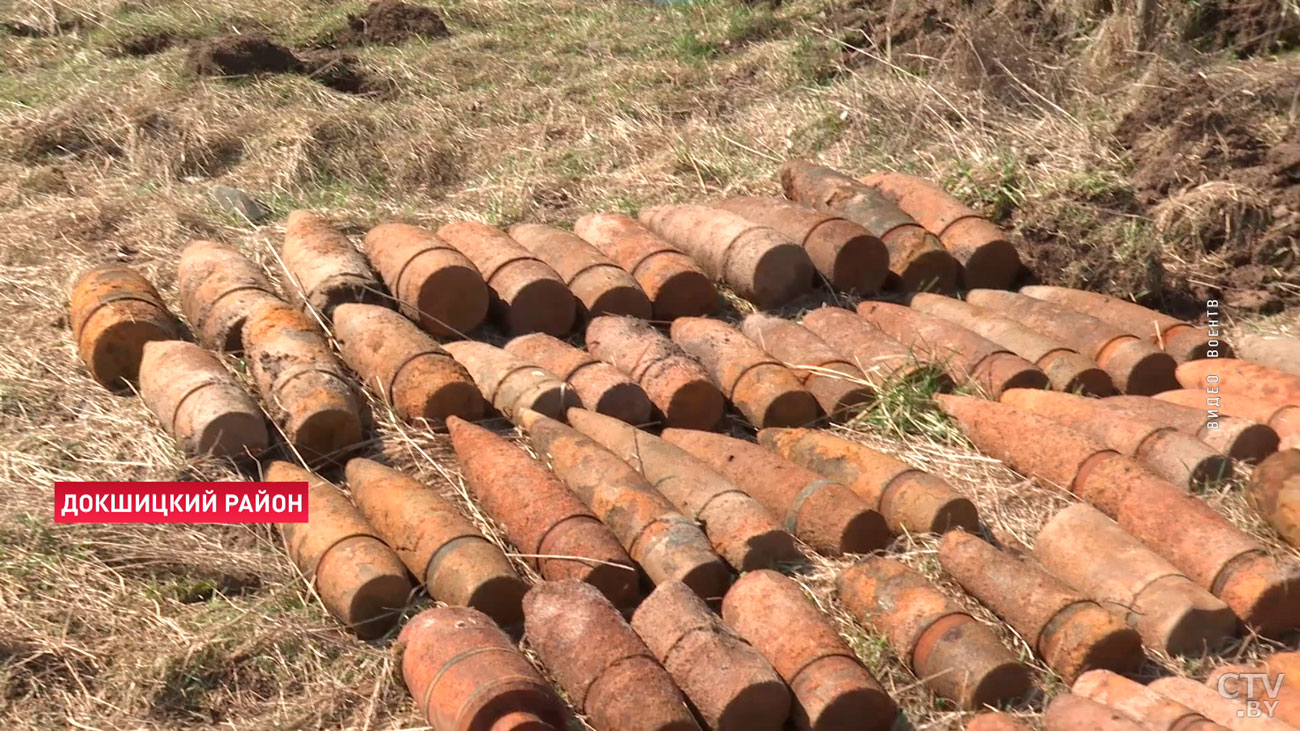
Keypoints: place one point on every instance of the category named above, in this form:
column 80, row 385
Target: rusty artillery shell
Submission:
column 1238, row 438
column 1183, row 460
column 1173, row 615
column 434, row 284
column 1069, row 712
column 677, row 384
column 598, row 283
column 760, row 264
column 1286, row 665
column 850, row 257
column 1275, row 351
column 1134, row 365
column 1071, row 633
column 511, row 383
column 465, row 674
column 675, row 285
column 113, row 312
column 995, row 721
column 953, row 654
column 358, row 577
column 1066, row 368
column 1138, row 703
column 1240, row 377
column 1208, row 702
column 440, row 547
column 916, row 257
column 326, row 269
column 824, row 514
column 832, row 689
column 217, row 288
column 764, row 390
column 529, row 296
column 199, row 402
column 667, row 544
column 304, row 388
column 553, row 531
column 960, row 352
column 598, row 384
column 1182, row 340
column 727, row 680
column 909, row 499
column 1284, row 420
column 836, row 383
column 1183, row 530
column 1283, row 700
column 1274, row 493
column 987, row 256
column 606, row 671
column 404, row 365
column 879, row 357
column 738, row 527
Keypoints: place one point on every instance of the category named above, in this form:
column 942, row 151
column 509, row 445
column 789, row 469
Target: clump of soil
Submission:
column 1246, row 27
column 254, row 54
column 388, row 23
column 146, row 44
column 341, row 72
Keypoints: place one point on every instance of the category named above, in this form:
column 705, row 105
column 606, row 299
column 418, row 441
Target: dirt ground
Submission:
column 1165, row 170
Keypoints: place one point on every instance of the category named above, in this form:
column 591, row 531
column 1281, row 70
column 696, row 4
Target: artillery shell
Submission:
column 510, row 383
column 598, row 384
column 995, row 721
column 1275, row 351
column 1207, row 702
column 1239, row 377
column 199, row 402
column 1068, row 712
column 1238, row 438
column 675, row 285
column 1284, row 421
column 434, row 284
column 1274, row 493
column 598, row 283
column 113, row 312
column 324, row 269
column 879, row 357
column 837, row 384
column 1138, row 703
column 1283, row 700
column 217, row 288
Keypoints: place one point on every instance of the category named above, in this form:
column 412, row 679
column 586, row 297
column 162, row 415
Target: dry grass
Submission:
column 530, row 111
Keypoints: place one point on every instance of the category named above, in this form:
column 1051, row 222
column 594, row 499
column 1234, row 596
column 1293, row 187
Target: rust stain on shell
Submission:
column 599, row 385
column 1238, row 438
column 837, row 384
column 1069, row 712
column 434, row 284
column 329, row 270
column 879, row 357
column 1241, row 377
column 218, row 288
column 1274, row 493
column 199, row 402
column 995, row 721
column 512, row 384
column 671, row 279
column 113, row 312
column 1140, row 704
column 598, row 283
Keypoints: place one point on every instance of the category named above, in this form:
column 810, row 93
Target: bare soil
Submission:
column 389, row 23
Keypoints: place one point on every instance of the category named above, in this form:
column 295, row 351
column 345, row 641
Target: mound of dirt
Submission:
column 240, row 55
column 388, row 23
column 1245, row 27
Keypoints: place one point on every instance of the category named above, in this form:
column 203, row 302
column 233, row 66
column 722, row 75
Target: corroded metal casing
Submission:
column 987, row 256
column 1069, row 712
column 954, row 655
column 960, row 352
column 677, row 384
column 1238, row 438
column 404, row 365
column 113, row 312
column 599, row 385
column 837, row 384
column 995, row 721
column 1284, row 420
column 1277, row 351
column 1274, row 493
column 1287, row 708
column 358, row 577
column 1286, row 665
column 1173, row 614
column 909, row 499
column 606, row 671
column 1071, row 633
column 324, row 269
column 879, row 357
column 760, row 264
column 529, row 295
column 916, row 257
column 199, row 402
column 1066, row 369
column 465, row 674
column 761, row 388
column 1182, row 340
column 726, row 679
column 850, row 257
column 598, row 283
column 822, row 513
column 738, row 527
column 667, row 544
column 1239, row 377
column 304, row 388
column 1134, row 365
column 1209, row 703
column 434, row 284
column 440, row 547
column 1181, row 459
column 832, row 690
column 551, row 528
column 217, row 288
column 1140, row 704
column 511, row 383
column 671, row 279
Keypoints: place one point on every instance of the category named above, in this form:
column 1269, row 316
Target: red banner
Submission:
column 180, row 502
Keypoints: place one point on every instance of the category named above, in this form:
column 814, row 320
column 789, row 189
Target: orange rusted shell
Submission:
column 434, row 284
column 217, row 288
column 730, row 684
column 879, row 357
column 1068, row 712
column 359, row 578
column 199, row 402
column 822, row 513
column 677, row 384
column 548, row 524
column 113, row 312
column 529, row 295
column 1208, row 702
column 325, row 267
column 1139, row 703
column 598, row 384
column 995, row 721
column 764, row 390
column 606, row 671
column 847, row 255
column 598, row 283
column 671, row 279
column 1239, row 377
column 1274, row 493
column 1238, row 438
column 510, row 383
column 837, row 384
column 1287, row 708
column 831, row 687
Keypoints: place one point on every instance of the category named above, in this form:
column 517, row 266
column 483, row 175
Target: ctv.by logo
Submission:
column 1258, row 705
